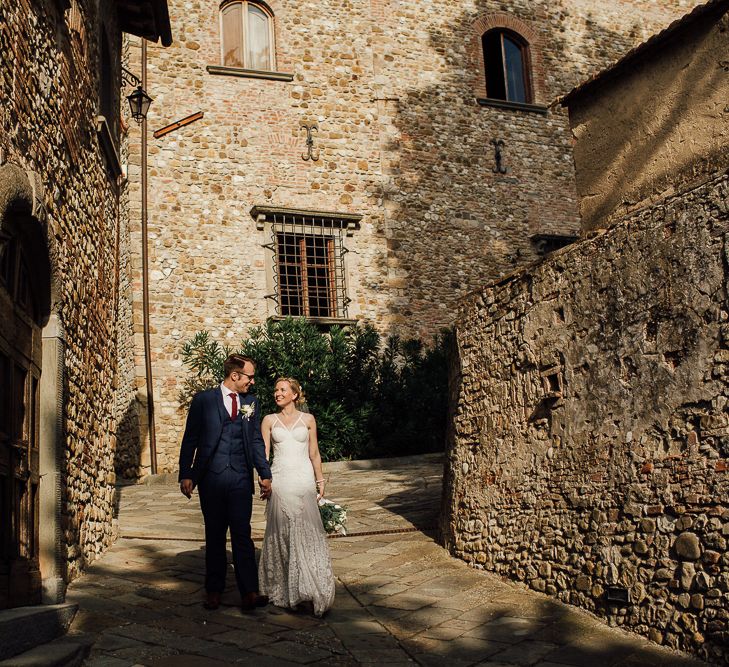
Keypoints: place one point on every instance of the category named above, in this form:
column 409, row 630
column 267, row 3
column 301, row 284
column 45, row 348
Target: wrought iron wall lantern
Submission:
column 139, row 100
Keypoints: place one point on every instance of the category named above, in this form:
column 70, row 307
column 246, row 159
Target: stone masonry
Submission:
column 402, row 140
column 591, row 437
column 655, row 121
column 50, row 88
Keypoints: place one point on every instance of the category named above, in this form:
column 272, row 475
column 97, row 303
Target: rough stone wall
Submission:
column 49, row 89
column 591, row 436
column 129, row 408
column 392, row 86
column 662, row 122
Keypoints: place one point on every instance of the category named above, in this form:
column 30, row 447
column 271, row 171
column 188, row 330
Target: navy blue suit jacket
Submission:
column 203, row 430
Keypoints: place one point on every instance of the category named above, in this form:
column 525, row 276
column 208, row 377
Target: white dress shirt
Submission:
column 228, row 401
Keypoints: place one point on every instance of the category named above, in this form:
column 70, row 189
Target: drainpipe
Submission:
column 145, row 282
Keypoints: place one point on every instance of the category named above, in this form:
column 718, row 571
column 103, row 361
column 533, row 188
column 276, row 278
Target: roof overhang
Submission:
column 146, row 18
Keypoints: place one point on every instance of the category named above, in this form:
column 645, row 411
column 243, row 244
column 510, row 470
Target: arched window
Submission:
column 506, row 62
column 246, row 30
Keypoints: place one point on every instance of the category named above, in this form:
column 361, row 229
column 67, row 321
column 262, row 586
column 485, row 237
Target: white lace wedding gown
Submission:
column 295, row 564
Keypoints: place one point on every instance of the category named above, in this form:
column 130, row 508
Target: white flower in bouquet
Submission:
column 333, row 516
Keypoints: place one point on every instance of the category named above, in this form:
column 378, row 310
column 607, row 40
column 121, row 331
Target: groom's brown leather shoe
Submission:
column 212, row 601
column 252, row 600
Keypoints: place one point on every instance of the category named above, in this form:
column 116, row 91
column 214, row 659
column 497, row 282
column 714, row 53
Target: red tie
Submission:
column 234, row 410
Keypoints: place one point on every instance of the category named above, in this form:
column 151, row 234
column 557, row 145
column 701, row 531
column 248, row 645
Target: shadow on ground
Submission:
column 401, row 598
column 141, row 605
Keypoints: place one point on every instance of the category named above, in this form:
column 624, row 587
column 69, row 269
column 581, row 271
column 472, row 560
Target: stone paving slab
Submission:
column 22, row 628
column 401, row 599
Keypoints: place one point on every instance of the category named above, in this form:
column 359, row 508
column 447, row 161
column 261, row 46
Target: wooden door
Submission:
column 20, row 357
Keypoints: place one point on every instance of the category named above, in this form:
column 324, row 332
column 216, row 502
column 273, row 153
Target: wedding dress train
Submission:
column 295, row 564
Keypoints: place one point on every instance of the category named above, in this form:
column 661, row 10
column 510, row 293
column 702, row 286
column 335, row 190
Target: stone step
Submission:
column 24, row 628
column 58, row 653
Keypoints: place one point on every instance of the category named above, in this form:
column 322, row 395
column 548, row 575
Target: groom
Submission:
column 221, row 446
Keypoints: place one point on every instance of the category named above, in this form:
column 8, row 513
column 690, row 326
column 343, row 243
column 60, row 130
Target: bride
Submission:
column 295, row 567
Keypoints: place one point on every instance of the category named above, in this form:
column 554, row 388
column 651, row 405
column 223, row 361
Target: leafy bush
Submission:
column 369, row 399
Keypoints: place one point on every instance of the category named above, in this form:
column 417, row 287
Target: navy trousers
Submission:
column 226, row 501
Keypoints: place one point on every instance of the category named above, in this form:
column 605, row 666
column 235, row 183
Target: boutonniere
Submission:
column 246, row 411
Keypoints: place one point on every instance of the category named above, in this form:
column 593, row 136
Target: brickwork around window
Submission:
column 535, row 66
column 282, row 62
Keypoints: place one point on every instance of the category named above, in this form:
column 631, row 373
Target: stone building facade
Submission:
column 432, row 183
column 61, row 246
column 655, row 129
column 590, row 448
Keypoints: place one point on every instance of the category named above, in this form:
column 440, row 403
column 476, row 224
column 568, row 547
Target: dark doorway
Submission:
column 20, row 369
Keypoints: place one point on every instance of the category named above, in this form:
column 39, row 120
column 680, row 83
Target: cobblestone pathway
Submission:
column 400, row 598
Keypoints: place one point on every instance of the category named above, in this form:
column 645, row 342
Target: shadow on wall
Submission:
column 130, row 436
column 452, row 223
column 673, row 103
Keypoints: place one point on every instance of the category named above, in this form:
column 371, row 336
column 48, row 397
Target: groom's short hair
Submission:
column 236, row 363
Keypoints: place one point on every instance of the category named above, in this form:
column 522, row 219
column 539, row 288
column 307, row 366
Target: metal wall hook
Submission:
column 310, row 143
column 498, row 145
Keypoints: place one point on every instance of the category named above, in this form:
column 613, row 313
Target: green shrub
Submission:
column 369, row 399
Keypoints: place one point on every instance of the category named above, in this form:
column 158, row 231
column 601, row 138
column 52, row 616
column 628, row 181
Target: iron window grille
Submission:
column 309, row 251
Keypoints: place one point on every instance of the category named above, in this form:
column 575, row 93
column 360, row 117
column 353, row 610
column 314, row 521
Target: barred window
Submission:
column 308, row 261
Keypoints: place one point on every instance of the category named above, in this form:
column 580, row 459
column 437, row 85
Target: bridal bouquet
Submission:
column 333, row 516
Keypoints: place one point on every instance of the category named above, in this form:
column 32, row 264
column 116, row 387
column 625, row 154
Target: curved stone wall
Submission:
column 590, row 447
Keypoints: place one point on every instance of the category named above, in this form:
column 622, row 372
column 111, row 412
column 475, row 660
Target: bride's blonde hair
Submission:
column 296, row 388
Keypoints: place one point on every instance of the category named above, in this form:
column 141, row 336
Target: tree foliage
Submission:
column 370, row 397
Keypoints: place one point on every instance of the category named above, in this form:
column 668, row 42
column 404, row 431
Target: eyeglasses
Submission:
column 250, row 377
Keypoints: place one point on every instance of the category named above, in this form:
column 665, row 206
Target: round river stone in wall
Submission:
column 687, row 546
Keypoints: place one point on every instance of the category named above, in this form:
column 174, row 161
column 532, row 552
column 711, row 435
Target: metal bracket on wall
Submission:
column 177, row 124
column 129, row 78
column 498, row 145
column 310, row 143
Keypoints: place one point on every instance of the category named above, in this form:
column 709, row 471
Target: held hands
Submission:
column 265, row 486
column 186, row 487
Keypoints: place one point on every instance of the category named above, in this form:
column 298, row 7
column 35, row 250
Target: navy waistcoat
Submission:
column 231, row 450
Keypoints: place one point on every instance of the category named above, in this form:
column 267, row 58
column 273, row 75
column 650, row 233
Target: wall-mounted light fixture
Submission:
column 139, row 100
